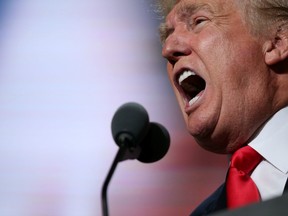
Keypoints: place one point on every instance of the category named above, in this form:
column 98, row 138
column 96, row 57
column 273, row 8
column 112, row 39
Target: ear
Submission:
column 277, row 50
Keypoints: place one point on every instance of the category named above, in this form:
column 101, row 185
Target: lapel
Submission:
column 216, row 202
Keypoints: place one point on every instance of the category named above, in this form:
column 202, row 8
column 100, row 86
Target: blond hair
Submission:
column 264, row 17
column 163, row 7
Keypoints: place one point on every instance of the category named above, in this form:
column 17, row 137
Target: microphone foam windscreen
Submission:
column 131, row 118
column 155, row 145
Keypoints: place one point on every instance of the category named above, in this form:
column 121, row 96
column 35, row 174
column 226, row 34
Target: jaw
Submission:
column 209, row 124
column 218, row 120
column 223, row 126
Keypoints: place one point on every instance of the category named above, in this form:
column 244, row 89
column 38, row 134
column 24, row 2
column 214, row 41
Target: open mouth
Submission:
column 192, row 85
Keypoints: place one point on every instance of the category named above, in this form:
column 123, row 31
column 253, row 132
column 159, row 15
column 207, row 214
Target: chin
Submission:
column 219, row 146
column 201, row 128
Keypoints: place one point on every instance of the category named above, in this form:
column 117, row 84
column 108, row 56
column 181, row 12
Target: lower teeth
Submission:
column 193, row 100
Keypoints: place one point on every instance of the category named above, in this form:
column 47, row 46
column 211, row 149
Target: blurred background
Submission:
column 65, row 68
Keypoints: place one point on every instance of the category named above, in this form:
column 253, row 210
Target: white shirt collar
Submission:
column 272, row 141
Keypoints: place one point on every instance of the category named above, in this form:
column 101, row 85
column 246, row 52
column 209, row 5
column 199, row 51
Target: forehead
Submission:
column 182, row 7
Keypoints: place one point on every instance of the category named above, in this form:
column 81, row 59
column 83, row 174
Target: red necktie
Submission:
column 240, row 188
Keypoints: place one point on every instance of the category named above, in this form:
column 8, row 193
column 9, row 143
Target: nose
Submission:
column 175, row 47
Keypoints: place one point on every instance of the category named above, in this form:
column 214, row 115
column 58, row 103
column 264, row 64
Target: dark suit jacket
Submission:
column 216, row 202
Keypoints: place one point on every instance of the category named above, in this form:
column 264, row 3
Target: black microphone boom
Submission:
column 137, row 139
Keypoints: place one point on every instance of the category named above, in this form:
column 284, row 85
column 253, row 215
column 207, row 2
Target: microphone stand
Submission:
column 127, row 150
column 117, row 158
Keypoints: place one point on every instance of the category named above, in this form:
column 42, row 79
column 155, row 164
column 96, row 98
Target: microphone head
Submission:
column 155, row 145
column 130, row 120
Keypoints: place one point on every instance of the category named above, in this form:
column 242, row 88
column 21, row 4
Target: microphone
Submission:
column 137, row 138
column 129, row 126
column 155, row 145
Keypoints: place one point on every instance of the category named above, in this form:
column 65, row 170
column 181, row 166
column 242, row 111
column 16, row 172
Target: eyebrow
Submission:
column 184, row 12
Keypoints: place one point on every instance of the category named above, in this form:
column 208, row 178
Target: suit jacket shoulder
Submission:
column 215, row 202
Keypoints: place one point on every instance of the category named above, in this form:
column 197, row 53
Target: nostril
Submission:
column 174, row 57
column 177, row 54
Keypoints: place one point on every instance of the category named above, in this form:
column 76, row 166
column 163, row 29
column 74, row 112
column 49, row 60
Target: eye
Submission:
column 197, row 23
column 199, row 20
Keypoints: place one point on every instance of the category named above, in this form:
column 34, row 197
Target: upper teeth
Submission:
column 185, row 75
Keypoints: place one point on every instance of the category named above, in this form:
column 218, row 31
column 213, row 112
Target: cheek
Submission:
column 214, row 56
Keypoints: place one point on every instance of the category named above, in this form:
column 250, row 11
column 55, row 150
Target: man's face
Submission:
column 218, row 73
